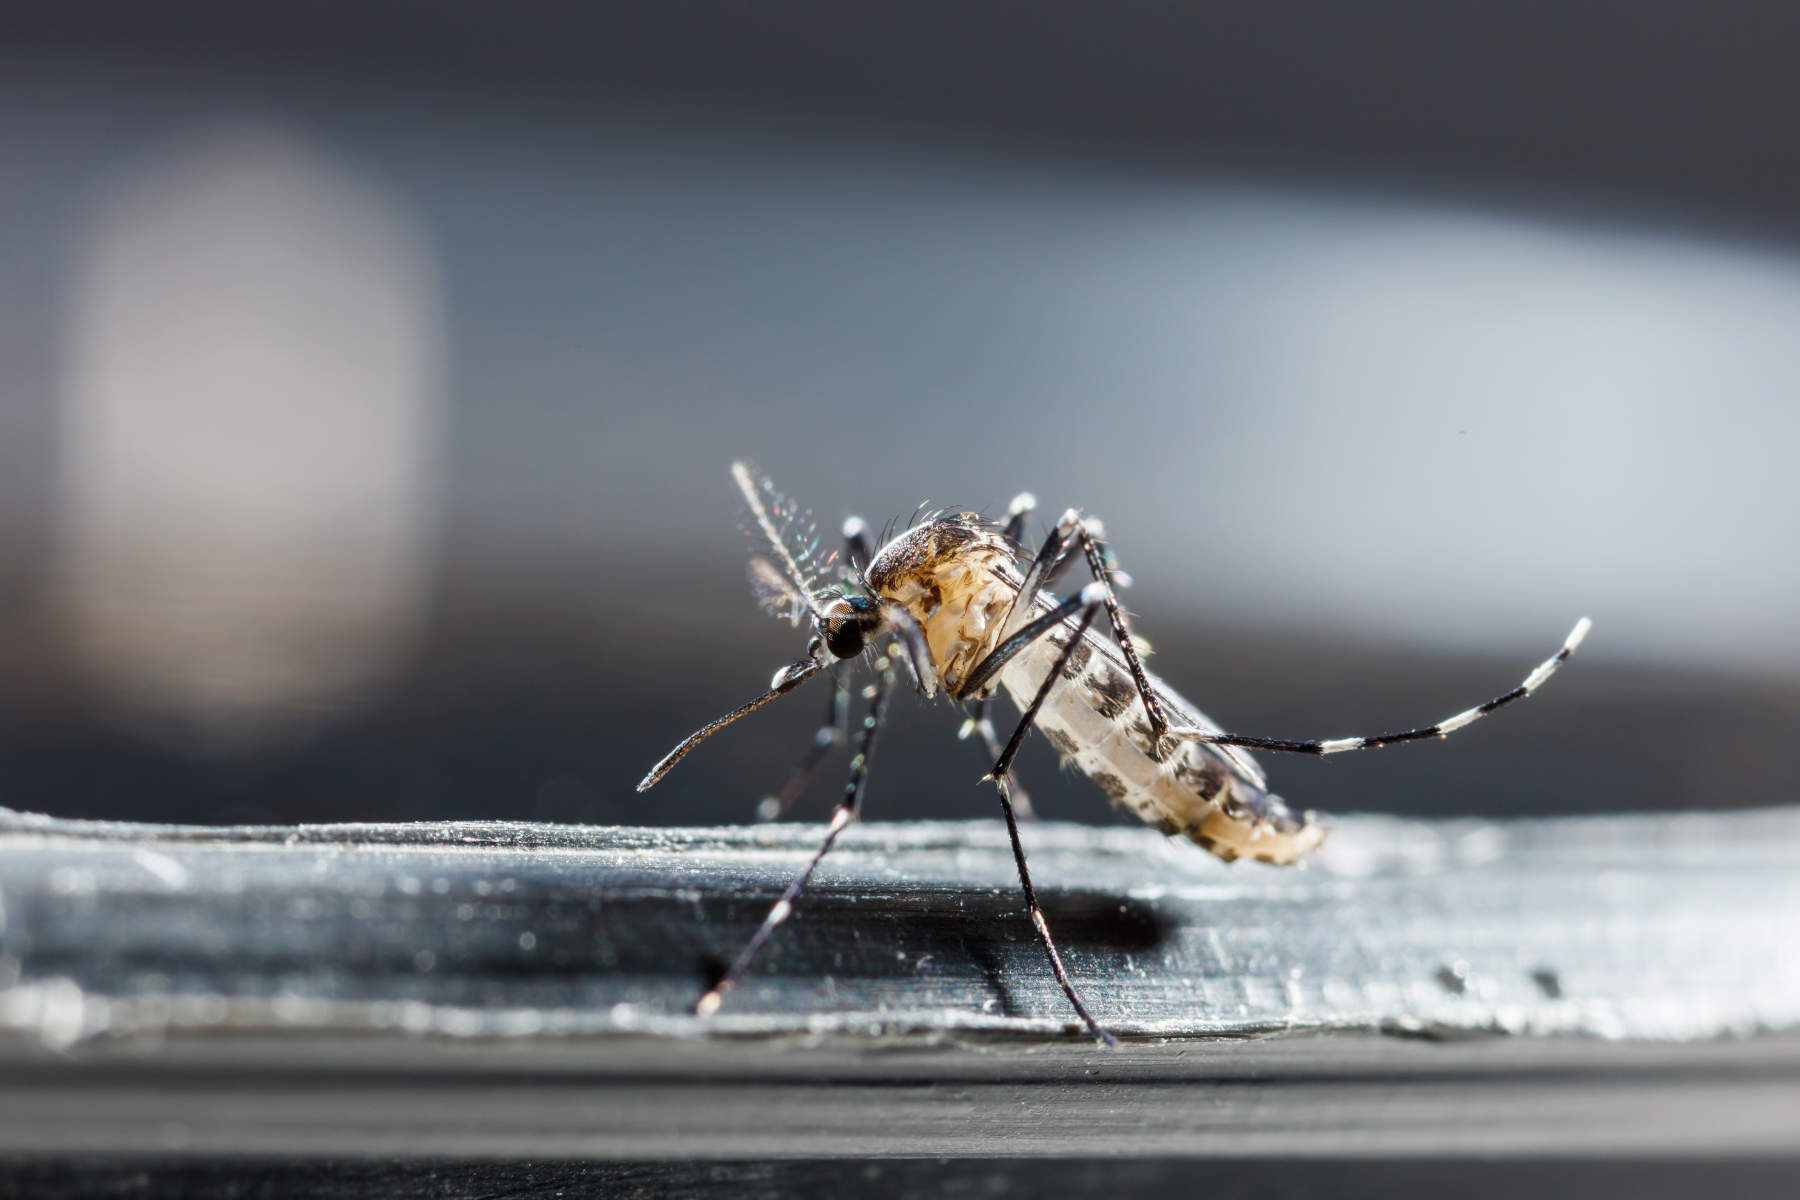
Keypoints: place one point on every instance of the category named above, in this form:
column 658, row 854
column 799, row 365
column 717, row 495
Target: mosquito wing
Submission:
column 788, row 532
column 774, row 594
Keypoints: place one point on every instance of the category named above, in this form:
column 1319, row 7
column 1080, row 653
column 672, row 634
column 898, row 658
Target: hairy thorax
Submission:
column 957, row 576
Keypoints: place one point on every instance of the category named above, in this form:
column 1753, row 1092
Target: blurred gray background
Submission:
column 368, row 375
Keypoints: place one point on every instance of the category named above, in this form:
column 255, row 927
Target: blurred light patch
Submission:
column 250, row 488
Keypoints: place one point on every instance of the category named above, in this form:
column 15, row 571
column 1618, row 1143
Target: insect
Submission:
column 969, row 610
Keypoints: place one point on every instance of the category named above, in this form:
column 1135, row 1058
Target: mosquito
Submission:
column 969, row 610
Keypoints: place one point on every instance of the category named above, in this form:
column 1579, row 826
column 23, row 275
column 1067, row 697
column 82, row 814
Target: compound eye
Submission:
column 844, row 637
column 847, row 624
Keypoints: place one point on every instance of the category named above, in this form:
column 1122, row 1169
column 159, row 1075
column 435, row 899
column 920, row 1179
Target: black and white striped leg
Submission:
column 1444, row 728
column 1000, row 775
column 1088, row 604
column 1048, row 563
column 1003, row 763
column 1092, row 597
column 980, row 722
column 1106, row 573
column 856, row 547
column 1043, row 927
column 1017, row 513
column 1052, row 559
column 841, row 817
column 830, row 734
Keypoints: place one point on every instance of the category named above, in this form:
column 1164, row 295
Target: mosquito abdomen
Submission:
column 1096, row 722
column 958, row 578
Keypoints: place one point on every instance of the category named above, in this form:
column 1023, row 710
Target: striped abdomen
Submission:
column 1095, row 719
column 958, row 578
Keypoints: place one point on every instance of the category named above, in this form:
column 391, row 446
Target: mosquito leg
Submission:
column 1048, row 562
column 1044, row 568
column 1106, row 573
column 830, row 733
column 840, row 819
column 837, row 708
column 1017, row 513
column 1043, row 928
column 1001, row 775
column 1444, row 728
column 1088, row 604
column 912, row 638
column 856, row 546
column 1003, row 763
column 1089, row 597
column 980, row 722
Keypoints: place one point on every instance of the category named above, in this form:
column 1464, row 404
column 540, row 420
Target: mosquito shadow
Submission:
column 1096, row 933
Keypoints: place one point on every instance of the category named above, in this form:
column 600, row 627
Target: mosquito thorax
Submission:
column 955, row 576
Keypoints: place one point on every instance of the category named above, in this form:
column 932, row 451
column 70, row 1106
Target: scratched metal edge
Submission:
column 86, row 1073
column 60, row 1012
column 940, row 1055
column 639, row 1099
column 1359, row 844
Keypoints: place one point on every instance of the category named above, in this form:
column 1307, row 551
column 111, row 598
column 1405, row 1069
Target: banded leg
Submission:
column 840, row 820
column 1444, row 728
column 1089, row 604
column 1038, row 576
column 1052, row 558
column 1091, row 596
column 856, row 547
column 1003, row 763
column 1017, row 513
column 830, row 733
column 1100, row 562
column 1043, row 927
column 981, row 723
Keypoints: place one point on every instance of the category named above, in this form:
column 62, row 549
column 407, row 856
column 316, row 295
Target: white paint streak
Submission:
column 1337, row 745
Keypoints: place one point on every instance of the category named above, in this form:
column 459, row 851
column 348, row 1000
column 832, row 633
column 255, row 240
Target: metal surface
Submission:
column 497, row 989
